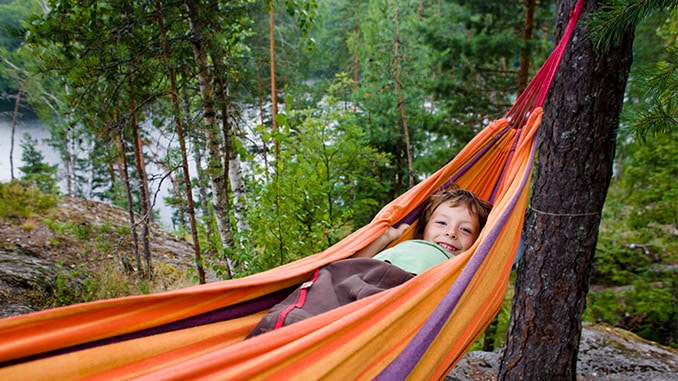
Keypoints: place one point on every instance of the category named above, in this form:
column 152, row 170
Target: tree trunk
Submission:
column 215, row 168
column 145, row 199
column 401, row 105
column 528, row 28
column 232, row 163
column 260, row 99
column 15, row 117
column 571, row 180
column 182, row 146
column 124, row 175
column 274, row 88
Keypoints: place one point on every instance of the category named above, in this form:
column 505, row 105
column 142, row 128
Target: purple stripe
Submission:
column 493, row 196
column 402, row 366
column 222, row 314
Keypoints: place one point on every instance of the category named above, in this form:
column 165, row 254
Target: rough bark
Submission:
column 571, row 180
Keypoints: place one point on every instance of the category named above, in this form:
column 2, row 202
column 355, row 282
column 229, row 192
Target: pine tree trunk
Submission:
column 124, row 175
column 571, row 180
column 182, row 146
column 215, row 168
column 401, row 105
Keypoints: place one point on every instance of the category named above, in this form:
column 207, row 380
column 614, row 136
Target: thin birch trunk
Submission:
column 260, row 91
column 274, row 89
column 14, row 122
column 232, row 162
column 145, row 202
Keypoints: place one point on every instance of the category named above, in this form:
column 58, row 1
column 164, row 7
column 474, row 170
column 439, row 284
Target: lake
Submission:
column 29, row 123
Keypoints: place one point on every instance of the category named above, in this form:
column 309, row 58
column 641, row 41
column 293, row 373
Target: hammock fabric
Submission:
column 419, row 329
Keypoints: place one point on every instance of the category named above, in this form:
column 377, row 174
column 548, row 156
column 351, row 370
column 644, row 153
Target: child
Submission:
column 449, row 225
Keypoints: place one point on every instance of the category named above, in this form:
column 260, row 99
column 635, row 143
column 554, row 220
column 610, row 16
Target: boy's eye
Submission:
column 467, row 230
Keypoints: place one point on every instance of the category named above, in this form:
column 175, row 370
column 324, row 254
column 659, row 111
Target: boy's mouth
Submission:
column 447, row 247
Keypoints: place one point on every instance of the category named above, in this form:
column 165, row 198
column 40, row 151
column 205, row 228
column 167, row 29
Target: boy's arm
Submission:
column 390, row 235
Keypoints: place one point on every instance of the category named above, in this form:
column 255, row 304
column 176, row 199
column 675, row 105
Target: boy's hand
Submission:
column 389, row 235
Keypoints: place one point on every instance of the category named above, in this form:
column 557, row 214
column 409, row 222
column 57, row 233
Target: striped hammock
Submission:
column 419, row 329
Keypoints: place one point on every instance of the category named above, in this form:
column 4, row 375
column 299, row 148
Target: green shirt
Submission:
column 414, row 256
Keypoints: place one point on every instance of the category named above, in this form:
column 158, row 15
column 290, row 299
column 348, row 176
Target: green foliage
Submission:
column 651, row 109
column 321, row 183
column 649, row 182
column 635, row 266
column 24, row 199
column 647, row 309
column 607, row 25
column 81, row 286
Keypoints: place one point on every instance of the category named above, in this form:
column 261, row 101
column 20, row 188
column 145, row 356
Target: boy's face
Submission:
column 453, row 228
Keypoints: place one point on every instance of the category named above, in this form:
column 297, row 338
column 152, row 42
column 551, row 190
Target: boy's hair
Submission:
column 454, row 196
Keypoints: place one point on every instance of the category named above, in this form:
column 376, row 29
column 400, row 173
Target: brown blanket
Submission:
column 332, row 286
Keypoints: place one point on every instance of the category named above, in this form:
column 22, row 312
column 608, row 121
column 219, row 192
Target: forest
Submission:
column 279, row 127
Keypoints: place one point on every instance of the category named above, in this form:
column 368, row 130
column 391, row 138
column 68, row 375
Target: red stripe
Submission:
column 280, row 322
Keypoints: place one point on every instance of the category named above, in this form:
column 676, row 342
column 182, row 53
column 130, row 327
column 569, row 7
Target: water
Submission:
column 28, row 123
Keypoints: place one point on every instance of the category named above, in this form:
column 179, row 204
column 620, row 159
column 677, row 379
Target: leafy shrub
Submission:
column 21, row 199
column 635, row 262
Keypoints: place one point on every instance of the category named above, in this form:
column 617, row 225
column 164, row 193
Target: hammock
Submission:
column 419, row 329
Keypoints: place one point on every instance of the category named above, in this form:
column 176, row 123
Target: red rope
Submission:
column 536, row 91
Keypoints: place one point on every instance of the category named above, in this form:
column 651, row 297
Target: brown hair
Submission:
column 455, row 196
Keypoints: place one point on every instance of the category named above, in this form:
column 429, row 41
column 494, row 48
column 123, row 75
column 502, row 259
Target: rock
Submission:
column 75, row 240
column 605, row 354
column 25, row 278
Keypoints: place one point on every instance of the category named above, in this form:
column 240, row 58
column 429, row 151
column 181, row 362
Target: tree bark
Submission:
column 572, row 176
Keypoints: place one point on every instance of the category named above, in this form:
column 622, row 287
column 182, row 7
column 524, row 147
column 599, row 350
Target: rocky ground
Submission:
column 76, row 238
column 605, row 354
column 81, row 235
